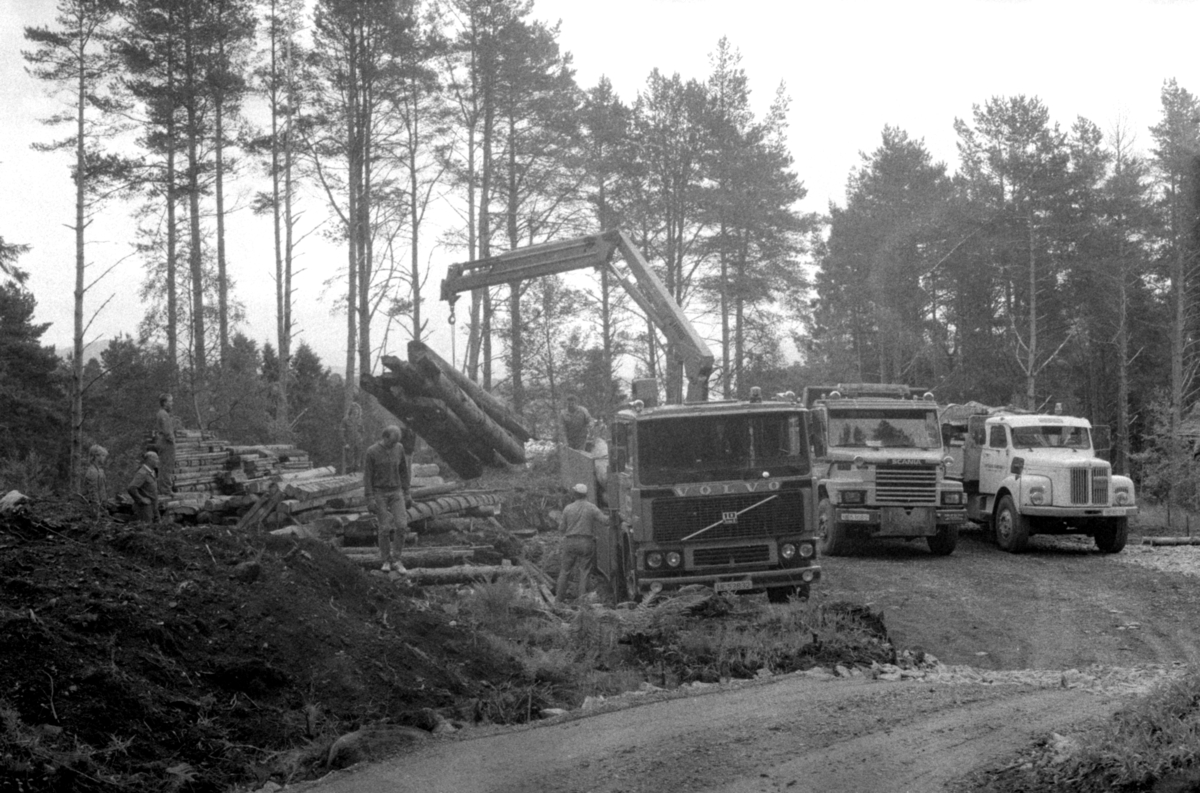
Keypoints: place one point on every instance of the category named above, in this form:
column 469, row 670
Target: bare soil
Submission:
column 138, row 657
column 1060, row 606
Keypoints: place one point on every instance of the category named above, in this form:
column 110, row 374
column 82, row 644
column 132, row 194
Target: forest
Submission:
column 1052, row 263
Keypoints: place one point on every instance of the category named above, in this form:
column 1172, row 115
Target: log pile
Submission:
column 217, row 481
column 468, row 427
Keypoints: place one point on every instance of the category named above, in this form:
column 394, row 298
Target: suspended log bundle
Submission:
column 468, row 427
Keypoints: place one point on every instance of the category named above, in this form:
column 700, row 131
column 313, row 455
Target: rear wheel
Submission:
column 1012, row 528
column 832, row 540
column 945, row 541
column 1112, row 535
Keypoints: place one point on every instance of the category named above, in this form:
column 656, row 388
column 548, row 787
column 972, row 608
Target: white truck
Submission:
column 1036, row 473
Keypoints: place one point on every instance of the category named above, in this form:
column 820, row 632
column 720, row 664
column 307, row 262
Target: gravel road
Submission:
column 1048, row 641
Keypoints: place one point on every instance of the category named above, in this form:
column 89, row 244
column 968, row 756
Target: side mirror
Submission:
column 1018, row 465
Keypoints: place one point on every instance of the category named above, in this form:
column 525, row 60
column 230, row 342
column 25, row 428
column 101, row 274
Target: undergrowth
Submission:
column 1151, row 745
column 605, row 651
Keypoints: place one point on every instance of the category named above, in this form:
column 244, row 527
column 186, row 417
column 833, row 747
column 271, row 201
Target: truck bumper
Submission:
column 1079, row 512
column 758, row 579
column 925, row 526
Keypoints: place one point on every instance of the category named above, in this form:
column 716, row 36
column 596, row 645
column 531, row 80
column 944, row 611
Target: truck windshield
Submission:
column 1051, row 436
column 884, row 429
column 721, row 448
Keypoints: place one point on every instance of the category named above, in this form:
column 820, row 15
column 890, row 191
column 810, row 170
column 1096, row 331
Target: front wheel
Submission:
column 832, row 539
column 1012, row 528
column 945, row 541
column 1112, row 535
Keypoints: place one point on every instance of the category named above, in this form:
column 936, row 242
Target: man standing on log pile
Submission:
column 581, row 520
column 164, row 442
column 575, row 421
column 144, row 489
column 386, row 480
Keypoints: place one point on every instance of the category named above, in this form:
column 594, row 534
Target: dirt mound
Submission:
column 141, row 657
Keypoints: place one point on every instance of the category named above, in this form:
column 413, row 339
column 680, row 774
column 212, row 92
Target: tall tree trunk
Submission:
column 281, row 405
column 76, row 470
column 1031, row 365
column 516, row 364
column 195, row 259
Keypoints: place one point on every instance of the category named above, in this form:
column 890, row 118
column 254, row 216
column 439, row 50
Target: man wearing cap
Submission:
column 581, row 520
column 386, row 481
column 144, row 489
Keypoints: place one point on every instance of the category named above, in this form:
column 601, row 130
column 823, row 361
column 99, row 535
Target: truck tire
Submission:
column 625, row 586
column 1012, row 528
column 832, row 540
column 945, row 541
column 1112, row 535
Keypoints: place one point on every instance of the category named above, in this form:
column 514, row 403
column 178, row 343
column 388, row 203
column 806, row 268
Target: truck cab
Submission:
column 1034, row 473
column 881, row 468
column 719, row 493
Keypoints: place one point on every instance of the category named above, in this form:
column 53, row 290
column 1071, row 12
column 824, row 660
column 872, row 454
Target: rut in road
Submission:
column 927, row 754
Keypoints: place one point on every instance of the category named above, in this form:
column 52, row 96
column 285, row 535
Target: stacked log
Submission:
column 466, row 426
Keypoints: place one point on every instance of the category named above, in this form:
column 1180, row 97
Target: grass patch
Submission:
column 1162, row 520
column 1151, row 745
column 696, row 637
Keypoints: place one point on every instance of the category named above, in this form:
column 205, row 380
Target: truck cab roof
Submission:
column 714, row 407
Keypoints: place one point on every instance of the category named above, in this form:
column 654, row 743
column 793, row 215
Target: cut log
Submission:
column 428, row 422
column 448, row 576
column 500, row 413
column 478, row 423
column 433, row 491
column 426, row 469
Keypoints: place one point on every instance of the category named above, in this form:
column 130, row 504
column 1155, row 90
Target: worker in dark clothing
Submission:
column 575, row 421
column 386, row 481
column 164, row 442
column 580, row 523
column 95, row 482
column 144, row 489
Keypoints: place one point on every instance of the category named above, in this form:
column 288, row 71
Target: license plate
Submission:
column 1109, row 512
column 733, row 586
column 855, row 517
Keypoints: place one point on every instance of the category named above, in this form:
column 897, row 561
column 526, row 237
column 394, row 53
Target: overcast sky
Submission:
column 850, row 68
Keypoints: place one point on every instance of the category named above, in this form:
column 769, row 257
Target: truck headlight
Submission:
column 1037, row 494
column 673, row 559
column 807, row 576
column 853, row 496
column 654, row 560
column 787, row 551
column 952, row 498
column 807, row 551
column 1122, row 496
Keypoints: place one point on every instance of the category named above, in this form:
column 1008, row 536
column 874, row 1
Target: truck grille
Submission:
column 1089, row 486
column 896, row 484
column 734, row 555
column 675, row 518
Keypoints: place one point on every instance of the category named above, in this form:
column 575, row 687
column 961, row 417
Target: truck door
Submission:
column 994, row 459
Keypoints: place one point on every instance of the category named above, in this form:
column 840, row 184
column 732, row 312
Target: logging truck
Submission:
column 881, row 468
column 718, row 493
column 1034, row 473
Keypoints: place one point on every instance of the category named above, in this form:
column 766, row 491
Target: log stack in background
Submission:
column 468, row 427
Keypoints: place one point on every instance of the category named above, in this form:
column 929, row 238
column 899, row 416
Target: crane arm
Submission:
column 596, row 251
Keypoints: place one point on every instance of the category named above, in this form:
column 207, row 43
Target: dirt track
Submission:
column 1061, row 606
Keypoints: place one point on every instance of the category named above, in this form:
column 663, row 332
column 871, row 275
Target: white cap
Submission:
column 581, row 489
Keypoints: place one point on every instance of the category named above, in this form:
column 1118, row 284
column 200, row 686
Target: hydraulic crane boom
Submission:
column 597, row 251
